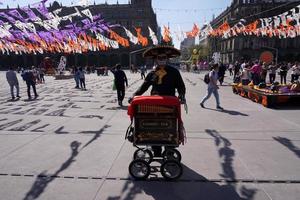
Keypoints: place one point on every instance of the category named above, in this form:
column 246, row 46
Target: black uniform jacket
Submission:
column 166, row 87
column 120, row 78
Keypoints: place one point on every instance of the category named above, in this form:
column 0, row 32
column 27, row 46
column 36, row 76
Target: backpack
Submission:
column 27, row 76
column 206, row 78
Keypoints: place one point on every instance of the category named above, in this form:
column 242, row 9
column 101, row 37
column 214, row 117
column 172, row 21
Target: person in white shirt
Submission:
column 245, row 76
column 212, row 87
column 295, row 72
column 12, row 80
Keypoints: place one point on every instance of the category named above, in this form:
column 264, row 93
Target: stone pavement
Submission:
column 69, row 144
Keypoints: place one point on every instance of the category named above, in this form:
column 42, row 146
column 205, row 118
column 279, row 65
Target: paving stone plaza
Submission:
column 69, row 145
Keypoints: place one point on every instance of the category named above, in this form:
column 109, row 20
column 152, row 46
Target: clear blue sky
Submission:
column 181, row 13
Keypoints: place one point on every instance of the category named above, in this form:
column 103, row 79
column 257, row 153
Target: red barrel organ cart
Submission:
column 155, row 121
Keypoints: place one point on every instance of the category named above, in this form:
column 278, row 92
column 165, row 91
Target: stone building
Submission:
column 250, row 47
column 137, row 13
column 185, row 46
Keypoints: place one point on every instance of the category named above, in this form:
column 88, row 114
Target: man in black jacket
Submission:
column 165, row 80
column 120, row 81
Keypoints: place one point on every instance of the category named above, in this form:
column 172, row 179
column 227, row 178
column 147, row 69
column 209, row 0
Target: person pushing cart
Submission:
column 157, row 117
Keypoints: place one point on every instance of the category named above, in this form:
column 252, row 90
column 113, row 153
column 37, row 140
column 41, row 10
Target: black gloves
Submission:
column 182, row 99
column 130, row 99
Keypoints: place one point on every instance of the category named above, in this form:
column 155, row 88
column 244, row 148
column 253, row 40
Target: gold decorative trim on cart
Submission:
column 155, row 109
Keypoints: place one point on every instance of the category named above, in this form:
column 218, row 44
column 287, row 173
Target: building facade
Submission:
column 185, row 46
column 135, row 14
column 250, row 47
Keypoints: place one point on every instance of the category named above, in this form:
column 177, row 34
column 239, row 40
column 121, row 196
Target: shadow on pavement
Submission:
column 194, row 186
column 32, row 99
column 226, row 154
column 13, row 100
column 230, row 112
column 96, row 136
column 117, row 108
column 60, row 130
column 185, row 189
column 43, row 179
column 288, row 143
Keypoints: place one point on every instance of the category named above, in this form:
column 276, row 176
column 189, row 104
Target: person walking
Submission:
column 221, row 73
column 164, row 79
column 120, row 81
column 212, row 87
column 42, row 75
column 76, row 76
column 143, row 70
column 29, row 78
column 236, row 69
column 13, row 82
column 82, row 78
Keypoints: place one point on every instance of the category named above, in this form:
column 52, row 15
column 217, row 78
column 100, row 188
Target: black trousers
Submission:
column 82, row 83
column 42, row 78
column 120, row 93
column 221, row 79
column 272, row 78
column 255, row 78
column 283, row 78
column 32, row 84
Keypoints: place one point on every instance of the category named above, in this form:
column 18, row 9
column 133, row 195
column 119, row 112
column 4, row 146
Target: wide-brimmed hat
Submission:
column 168, row 51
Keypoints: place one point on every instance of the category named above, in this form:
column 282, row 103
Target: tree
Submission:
column 203, row 51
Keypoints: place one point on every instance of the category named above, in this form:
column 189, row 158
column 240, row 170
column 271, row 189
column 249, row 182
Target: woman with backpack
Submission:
column 212, row 87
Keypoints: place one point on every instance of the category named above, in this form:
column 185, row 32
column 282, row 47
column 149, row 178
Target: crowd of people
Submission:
column 256, row 71
column 241, row 72
column 260, row 72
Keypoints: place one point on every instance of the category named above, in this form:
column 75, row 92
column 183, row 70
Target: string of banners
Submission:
column 285, row 25
column 34, row 30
